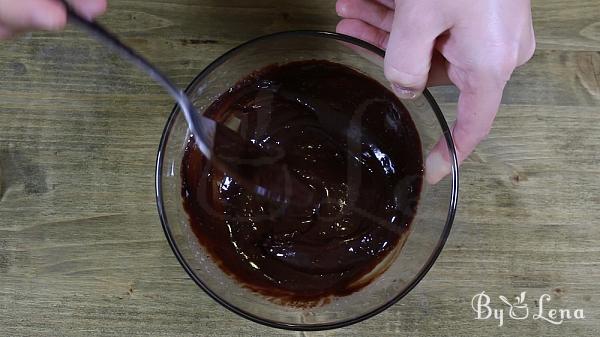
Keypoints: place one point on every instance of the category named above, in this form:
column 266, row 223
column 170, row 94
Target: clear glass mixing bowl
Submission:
column 430, row 227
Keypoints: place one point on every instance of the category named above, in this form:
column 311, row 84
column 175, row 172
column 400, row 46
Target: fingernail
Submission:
column 436, row 168
column 404, row 92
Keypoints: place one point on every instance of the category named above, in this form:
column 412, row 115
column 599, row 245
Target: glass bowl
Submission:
column 428, row 232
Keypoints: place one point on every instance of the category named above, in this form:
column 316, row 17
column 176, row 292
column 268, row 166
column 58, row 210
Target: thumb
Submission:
column 25, row 14
column 409, row 51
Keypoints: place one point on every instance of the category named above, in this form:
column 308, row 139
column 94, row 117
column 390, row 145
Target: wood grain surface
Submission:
column 82, row 252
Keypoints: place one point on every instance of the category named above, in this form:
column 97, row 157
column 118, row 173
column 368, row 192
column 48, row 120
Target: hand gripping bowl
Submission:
column 429, row 229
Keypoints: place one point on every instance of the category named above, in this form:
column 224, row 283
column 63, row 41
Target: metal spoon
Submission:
column 266, row 176
column 201, row 127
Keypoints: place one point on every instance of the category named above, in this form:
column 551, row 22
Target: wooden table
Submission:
column 81, row 248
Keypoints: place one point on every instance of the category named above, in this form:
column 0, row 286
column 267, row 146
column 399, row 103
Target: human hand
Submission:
column 18, row 16
column 474, row 44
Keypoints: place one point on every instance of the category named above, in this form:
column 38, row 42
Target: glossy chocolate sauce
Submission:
column 340, row 134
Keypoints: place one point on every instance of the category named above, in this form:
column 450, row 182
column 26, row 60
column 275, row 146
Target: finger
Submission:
column 89, row 8
column 391, row 4
column 410, row 47
column 476, row 111
column 526, row 38
column 371, row 12
column 25, row 14
column 363, row 31
column 438, row 75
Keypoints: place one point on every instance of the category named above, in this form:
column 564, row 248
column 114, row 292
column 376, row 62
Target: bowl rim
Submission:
column 318, row 326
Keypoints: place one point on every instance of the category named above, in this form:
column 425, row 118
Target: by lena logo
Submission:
column 519, row 310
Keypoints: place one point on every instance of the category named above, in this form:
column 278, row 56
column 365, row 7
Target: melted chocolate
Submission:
column 337, row 132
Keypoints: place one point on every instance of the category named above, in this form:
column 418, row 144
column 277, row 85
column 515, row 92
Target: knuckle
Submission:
column 497, row 65
column 408, row 79
column 529, row 54
column 342, row 7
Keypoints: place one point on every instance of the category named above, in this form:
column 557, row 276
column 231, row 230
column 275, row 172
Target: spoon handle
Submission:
column 201, row 127
column 110, row 39
column 271, row 179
